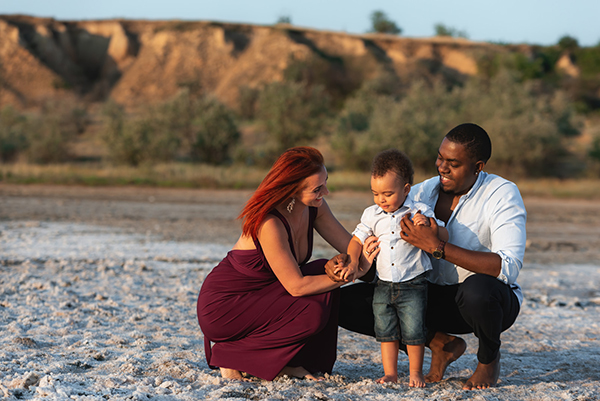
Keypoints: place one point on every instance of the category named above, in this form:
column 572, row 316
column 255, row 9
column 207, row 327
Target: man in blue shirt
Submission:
column 473, row 286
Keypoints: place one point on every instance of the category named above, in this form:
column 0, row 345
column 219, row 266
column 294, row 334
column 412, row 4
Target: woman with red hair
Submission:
column 267, row 310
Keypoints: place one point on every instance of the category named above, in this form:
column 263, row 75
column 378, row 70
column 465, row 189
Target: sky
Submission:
column 541, row 22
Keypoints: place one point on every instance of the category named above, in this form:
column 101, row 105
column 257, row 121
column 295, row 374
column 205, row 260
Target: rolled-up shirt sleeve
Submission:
column 363, row 230
column 507, row 231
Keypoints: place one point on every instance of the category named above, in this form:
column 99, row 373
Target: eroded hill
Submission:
column 136, row 62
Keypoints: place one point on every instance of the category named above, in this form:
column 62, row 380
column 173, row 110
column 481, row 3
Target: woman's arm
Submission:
column 331, row 229
column 273, row 239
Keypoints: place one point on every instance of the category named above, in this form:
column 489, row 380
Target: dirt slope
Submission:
column 145, row 61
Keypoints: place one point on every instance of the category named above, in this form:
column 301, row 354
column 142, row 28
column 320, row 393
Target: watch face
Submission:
column 437, row 254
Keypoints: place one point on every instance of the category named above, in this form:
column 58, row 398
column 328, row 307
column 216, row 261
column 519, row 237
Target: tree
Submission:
column 380, row 23
column 284, row 19
column 443, row 30
column 568, row 43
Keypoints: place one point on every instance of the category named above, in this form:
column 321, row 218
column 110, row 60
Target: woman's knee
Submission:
column 316, row 317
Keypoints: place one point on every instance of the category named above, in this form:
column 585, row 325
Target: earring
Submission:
column 290, row 205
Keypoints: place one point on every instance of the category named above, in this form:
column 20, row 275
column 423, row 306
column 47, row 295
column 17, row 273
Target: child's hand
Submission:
column 419, row 219
column 349, row 272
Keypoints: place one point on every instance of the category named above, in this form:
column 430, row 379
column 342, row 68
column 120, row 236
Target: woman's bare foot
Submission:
column 298, row 372
column 416, row 379
column 445, row 349
column 387, row 379
column 231, row 374
column 485, row 376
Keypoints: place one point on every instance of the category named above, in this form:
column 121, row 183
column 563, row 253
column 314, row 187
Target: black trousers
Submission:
column 482, row 305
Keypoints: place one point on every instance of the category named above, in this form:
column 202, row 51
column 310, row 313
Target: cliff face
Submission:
column 135, row 62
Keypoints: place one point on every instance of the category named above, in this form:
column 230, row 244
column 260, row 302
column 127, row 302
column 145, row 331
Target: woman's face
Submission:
column 314, row 188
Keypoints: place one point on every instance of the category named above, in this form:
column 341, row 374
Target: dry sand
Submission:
column 98, row 290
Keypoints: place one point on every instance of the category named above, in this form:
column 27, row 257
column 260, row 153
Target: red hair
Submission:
column 282, row 182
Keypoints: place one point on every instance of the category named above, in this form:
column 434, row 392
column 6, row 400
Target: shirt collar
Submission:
column 478, row 182
column 408, row 204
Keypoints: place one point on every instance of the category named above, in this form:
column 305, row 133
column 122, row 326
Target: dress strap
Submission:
column 276, row 213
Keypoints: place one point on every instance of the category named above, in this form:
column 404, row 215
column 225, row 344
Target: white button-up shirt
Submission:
column 489, row 218
column 398, row 260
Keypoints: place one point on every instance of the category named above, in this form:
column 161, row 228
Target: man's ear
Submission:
column 479, row 166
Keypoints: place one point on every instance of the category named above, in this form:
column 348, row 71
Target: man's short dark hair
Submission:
column 474, row 138
column 395, row 161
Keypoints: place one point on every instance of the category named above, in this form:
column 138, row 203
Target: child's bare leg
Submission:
column 415, row 361
column 389, row 356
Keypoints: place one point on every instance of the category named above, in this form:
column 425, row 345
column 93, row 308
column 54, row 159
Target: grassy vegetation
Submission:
column 185, row 175
column 544, row 126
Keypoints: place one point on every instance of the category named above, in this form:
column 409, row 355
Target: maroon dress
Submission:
column 256, row 326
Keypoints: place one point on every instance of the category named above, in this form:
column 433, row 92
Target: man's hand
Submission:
column 334, row 264
column 422, row 236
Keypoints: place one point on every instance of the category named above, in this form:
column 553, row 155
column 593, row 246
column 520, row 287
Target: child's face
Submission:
column 389, row 191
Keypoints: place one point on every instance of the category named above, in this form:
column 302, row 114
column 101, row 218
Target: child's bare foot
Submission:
column 445, row 349
column 416, row 379
column 387, row 379
column 231, row 374
column 298, row 372
column 485, row 376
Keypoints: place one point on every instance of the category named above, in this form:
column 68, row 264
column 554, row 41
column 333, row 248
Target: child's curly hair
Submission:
column 393, row 160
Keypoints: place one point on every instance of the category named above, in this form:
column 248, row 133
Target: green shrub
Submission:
column 443, row 30
column 50, row 133
column 380, row 23
column 12, row 134
column 214, row 131
column 529, row 130
column 415, row 124
column 247, row 99
column 588, row 60
column 291, row 114
column 146, row 138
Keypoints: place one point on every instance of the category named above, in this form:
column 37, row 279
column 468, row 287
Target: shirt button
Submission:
column 392, row 247
column 392, row 232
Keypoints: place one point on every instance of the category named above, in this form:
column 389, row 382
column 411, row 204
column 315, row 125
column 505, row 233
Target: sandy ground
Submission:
column 98, row 289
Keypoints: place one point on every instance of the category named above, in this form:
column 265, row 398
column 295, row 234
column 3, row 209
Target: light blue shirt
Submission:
column 489, row 218
column 397, row 260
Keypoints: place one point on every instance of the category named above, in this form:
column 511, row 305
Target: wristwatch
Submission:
column 438, row 253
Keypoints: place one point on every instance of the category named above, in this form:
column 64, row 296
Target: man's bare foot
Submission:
column 485, row 376
column 387, row 379
column 231, row 374
column 416, row 379
column 445, row 349
column 298, row 372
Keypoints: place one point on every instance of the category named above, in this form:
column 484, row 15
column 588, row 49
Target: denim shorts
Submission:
column 399, row 310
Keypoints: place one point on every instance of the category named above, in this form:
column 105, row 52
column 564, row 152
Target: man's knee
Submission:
column 476, row 292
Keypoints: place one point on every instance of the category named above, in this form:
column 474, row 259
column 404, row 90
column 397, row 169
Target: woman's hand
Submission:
column 333, row 265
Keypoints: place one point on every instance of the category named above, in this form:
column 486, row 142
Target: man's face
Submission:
column 456, row 168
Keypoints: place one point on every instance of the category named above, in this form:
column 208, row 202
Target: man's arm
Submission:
column 428, row 239
column 506, row 217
